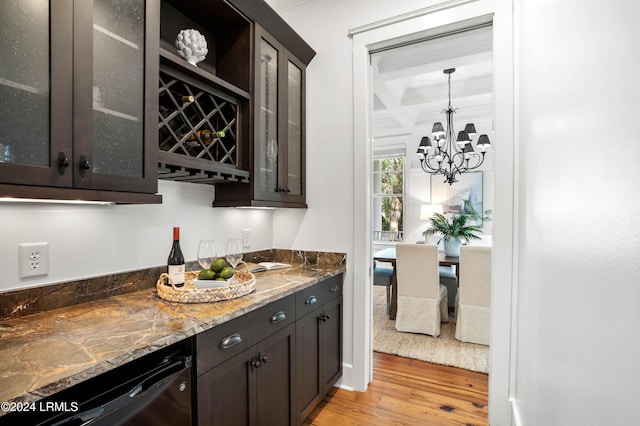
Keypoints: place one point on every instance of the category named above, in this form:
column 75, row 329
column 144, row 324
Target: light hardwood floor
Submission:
column 408, row 392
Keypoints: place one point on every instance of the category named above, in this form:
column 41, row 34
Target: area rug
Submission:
column 443, row 350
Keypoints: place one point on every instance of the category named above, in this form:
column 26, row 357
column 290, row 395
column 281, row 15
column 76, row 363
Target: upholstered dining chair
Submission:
column 450, row 281
column 474, row 295
column 382, row 276
column 422, row 300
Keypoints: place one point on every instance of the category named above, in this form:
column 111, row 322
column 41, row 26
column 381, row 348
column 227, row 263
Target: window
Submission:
column 388, row 190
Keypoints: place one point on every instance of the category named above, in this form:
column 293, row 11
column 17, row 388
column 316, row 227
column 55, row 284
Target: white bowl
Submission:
column 210, row 283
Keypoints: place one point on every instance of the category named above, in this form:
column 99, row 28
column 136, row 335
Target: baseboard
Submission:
column 515, row 412
column 346, row 381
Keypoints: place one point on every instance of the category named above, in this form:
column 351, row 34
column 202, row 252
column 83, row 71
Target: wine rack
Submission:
column 191, row 112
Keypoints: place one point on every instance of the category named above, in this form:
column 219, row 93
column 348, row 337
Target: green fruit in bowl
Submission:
column 206, row 274
column 227, row 272
column 218, row 264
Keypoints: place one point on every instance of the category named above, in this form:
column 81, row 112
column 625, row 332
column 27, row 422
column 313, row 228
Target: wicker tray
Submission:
column 244, row 283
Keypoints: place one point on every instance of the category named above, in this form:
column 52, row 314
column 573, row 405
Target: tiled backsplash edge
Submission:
column 19, row 303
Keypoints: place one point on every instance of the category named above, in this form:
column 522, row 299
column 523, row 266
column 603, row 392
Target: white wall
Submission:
column 578, row 285
column 329, row 222
column 575, row 263
column 86, row 241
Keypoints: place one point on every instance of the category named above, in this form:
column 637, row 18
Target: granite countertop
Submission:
column 44, row 353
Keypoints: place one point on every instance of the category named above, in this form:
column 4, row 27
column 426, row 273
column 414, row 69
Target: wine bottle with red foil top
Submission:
column 175, row 262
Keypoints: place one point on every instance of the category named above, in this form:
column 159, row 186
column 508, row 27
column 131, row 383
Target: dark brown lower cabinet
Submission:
column 272, row 366
column 254, row 387
column 318, row 355
column 331, row 348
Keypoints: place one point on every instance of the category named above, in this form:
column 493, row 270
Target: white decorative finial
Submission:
column 192, row 46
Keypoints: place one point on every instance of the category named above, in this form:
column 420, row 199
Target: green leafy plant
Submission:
column 460, row 226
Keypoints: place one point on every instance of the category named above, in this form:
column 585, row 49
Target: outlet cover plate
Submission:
column 33, row 259
column 246, row 238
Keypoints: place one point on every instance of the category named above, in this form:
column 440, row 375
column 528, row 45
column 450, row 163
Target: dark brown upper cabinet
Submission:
column 198, row 101
column 278, row 166
column 78, row 100
column 251, row 86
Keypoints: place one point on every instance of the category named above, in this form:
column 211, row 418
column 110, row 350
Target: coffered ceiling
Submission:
column 410, row 88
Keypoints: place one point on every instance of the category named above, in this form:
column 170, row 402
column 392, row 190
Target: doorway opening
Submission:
column 408, row 95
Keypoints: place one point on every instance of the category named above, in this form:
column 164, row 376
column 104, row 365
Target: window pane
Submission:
column 388, row 202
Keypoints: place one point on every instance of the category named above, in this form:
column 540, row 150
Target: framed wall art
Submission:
column 456, row 197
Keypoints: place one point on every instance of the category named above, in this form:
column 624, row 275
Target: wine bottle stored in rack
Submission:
column 206, row 136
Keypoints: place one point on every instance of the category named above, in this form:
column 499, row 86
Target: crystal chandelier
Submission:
column 450, row 156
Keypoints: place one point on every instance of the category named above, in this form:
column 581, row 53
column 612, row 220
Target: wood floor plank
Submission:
column 471, row 391
column 408, row 392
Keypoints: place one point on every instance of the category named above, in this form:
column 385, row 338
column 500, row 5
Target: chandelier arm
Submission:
column 426, row 167
column 427, row 162
column 479, row 159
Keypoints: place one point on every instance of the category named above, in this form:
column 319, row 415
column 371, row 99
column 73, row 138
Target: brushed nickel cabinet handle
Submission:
column 278, row 316
column 230, row 340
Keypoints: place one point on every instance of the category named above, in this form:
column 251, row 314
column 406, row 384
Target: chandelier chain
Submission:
column 449, row 91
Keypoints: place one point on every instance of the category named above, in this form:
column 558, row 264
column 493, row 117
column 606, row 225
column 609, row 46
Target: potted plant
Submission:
column 461, row 226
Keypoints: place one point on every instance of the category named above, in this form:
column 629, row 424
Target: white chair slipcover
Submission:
column 422, row 300
column 473, row 323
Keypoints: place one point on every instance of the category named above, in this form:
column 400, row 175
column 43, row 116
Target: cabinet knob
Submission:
column 334, row 289
column 63, row 162
column 257, row 362
column 84, row 165
column 310, row 300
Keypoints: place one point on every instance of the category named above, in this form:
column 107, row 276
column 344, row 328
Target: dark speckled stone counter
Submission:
column 47, row 352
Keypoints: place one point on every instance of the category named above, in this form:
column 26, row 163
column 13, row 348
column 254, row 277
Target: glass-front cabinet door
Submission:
column 279, row 165
column 267, row 110
column 109, row 94
column 293, row 179
column 77, row 83
column 35, row 91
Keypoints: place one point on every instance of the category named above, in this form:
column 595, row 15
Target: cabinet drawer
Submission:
column 223, row 342
column 275, row 316
column 311, row 298
column 230, row 338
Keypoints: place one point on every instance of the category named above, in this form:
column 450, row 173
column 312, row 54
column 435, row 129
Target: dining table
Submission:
column 388, row 255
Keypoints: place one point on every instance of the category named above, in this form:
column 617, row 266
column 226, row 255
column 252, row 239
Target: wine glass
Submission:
column 234, row 251
column 206, row 253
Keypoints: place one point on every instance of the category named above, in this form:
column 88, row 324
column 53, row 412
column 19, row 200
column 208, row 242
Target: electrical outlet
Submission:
column 246, row 238
column 33, row 259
